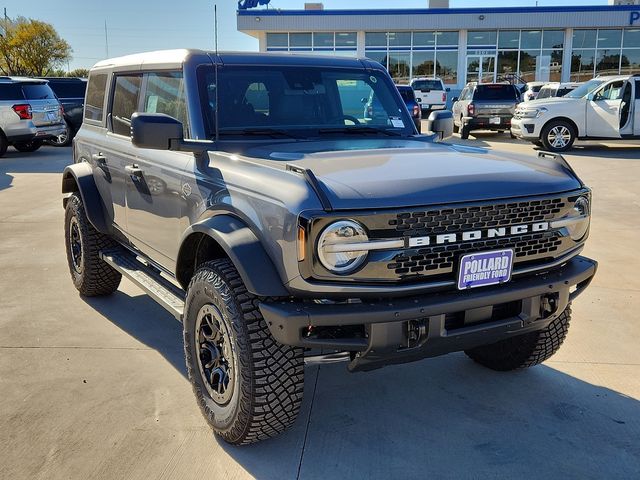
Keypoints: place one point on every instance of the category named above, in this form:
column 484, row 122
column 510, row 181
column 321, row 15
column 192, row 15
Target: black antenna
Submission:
column 215, row 20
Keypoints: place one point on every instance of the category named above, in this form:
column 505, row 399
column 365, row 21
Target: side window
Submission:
column 611, row 91
column 637, row 89
column 95, row 97
column 124, row 103
column 165, row 94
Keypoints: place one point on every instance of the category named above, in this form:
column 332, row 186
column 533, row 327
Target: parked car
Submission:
column 430, row 93
column 484, row 106
column 29, row 114
column 556, row 89
column 70, row 91
column 531, row 90
column 408, row 95
column 298, row 226
column 602, row 108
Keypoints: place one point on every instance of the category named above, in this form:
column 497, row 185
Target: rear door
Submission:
column 155, row 197
column 44, row 104
column 603, row 111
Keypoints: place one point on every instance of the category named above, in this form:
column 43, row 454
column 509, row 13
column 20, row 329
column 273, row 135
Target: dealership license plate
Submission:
column 494, row 120
column 486, row 268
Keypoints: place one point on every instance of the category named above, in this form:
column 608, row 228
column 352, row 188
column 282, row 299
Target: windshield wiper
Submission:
column 359, row 130
column 270, row 132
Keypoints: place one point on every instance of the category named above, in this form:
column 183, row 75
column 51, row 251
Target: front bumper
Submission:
column 405, row 329
column 525, row 128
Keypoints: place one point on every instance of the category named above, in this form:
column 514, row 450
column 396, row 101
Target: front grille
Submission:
column 476, row 217
column 443, row 259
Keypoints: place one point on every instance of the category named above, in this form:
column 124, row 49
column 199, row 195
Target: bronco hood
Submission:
column 358, row 174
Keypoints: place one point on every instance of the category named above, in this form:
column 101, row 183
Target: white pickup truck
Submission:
column 602, row 108
column 430, row 93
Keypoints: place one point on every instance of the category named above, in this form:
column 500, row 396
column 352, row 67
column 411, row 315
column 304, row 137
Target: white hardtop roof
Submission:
column 167, row 58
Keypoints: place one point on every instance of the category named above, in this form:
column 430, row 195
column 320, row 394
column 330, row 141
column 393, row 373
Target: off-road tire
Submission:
column 4, row 144
column 28, row 147
column 525, row 350
column 464, row 133
column 94, row 277
column 269, row 381
column 559, row 124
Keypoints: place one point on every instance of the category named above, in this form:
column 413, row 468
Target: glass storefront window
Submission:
column 507, row 62
column 632, row 38
column 375, row 39
column 346, row 39
column 529, row 66
column 277, row 39
column 423, row 64
column 447, row 66
column 399, row 39
column 530, row 39
column 380, row 57
column 609, row 39
column 552, row 38
column 607, row 63
column 584, row 39
column 481, row 37
column 399, row 66
column 630, row 61
column 299, row 39
column 582, row 65
column 509, row 39
column 555, row 64
column 424, row 39
column 323, row 39
column 449, row 39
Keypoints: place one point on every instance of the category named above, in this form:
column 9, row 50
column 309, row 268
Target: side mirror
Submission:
column 159, row 131
column 441, row 123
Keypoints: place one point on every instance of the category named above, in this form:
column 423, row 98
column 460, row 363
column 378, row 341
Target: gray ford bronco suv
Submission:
column 249, row 196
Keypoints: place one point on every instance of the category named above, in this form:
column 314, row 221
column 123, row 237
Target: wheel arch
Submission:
column 226, row 236
column 79, row 178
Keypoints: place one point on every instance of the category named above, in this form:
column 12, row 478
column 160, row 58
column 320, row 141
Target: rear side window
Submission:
column 637, row 89
column 495, row 92
column 94, row 105
column 37, row 91
column 125, row 102
column 545, row 93
column 536, row 88
column 68, row 89
column 165, row 94
column 407, row 94
column 11, row 91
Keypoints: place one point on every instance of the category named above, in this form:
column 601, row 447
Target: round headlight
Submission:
column 582, row 209
column 334, row 251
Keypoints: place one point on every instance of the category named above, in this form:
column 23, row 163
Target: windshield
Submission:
column 495, row 92
column 301, row 101
column 426, row 85
column 585, row 89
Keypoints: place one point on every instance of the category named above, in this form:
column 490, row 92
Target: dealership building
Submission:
column 459, row 45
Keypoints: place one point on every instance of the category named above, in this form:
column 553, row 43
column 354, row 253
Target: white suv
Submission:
column 430, row 94
column 602, row 108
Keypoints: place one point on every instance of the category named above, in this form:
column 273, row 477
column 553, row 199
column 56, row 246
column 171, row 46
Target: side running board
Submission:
column 148, row 279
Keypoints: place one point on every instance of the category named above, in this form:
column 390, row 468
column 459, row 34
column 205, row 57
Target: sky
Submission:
column 143, row 25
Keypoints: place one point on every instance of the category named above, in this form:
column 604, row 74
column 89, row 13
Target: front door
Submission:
column 481, row 68
column 603, row 111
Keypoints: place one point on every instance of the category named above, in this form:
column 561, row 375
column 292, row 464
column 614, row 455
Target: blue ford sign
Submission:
column 246, row 4
column 634, row 17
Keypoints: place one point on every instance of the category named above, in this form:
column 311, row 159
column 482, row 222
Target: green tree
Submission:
column 79, row 72
column 31, row 47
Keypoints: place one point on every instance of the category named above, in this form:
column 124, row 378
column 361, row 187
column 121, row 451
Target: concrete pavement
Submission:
column 96, row 388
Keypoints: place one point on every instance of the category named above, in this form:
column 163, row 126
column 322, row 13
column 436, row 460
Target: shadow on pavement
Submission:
column 44, row 160
column 440, row 418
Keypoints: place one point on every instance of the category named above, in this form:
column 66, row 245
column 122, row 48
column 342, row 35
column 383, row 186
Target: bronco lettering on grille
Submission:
column 498, row 232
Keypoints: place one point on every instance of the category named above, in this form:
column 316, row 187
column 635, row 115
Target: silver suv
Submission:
column 29, row 114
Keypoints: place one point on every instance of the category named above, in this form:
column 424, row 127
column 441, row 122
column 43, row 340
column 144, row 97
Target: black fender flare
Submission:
column 243, row 248
column 79, row 178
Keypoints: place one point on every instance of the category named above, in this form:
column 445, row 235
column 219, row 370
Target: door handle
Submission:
column 99, row 158
column 133, row 170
